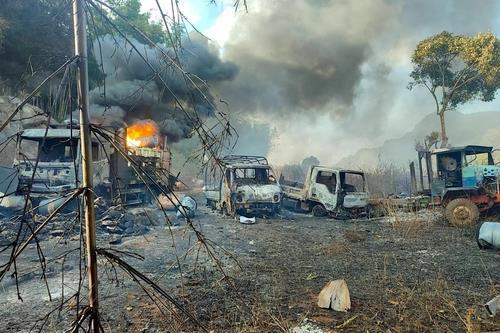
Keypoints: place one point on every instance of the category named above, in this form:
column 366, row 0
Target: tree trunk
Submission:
column 444, row 137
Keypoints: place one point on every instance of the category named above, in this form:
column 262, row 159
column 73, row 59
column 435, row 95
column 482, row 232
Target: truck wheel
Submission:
column 462, row 212
column 374, row 211
column 319, row 210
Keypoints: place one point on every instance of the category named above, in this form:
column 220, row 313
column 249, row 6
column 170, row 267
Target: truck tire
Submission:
column 319, row 210
column 375, row 211
column 462, row 212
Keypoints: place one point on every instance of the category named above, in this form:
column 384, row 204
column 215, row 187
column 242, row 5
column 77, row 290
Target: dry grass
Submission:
column 354, row 236
column 393, row 304
column 408, row 224
column 398, row 305
column 336, row 247
column 406, row 273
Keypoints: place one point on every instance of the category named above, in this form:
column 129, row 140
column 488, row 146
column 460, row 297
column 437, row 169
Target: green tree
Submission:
column 36, row 39
column 131, row 11
column 456, row 69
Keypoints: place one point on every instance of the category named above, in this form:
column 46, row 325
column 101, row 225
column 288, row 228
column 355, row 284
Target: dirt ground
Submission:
column 406, row 273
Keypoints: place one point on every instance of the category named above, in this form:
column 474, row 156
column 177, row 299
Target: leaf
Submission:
column 465, row 68
column 457, row 69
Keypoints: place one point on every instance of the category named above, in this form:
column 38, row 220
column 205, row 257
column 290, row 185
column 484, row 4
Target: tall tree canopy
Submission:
column 456, row 69
column 131, row 10
column 36, row 37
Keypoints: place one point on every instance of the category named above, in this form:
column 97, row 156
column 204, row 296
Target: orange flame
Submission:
column 143, row 133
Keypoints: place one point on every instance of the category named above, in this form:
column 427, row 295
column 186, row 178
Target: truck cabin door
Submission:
column 351, row 182
column 450, row 168
column 324, row 188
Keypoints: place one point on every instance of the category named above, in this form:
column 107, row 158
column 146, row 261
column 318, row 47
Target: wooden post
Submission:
column 428, row 165
column 421, row 171
column 413, row 177
column 80, row 35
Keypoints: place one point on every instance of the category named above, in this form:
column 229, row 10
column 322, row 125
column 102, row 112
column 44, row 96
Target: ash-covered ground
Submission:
column 406, row 273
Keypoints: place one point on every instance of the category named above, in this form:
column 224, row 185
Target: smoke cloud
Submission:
column 135, row 90
column 335, row 72
column 303, row 57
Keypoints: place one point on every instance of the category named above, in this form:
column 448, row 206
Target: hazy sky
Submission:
column 330, row 77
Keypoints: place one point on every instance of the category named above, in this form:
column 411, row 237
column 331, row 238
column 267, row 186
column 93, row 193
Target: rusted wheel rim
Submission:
column 462, row 214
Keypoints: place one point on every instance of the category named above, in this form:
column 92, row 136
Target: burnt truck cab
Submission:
column 337, row 192
column 59, row 160
column 55, row 153
column 465, row 180
column 243, row 185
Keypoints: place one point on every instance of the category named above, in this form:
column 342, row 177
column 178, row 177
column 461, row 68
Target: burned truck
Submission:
column 464, row 180
column 243, row 185
column 48, row 163
column 327, row 191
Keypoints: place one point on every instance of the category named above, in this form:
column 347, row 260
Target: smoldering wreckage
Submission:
column 465, row 181
column 132, row 172
column 133, row 175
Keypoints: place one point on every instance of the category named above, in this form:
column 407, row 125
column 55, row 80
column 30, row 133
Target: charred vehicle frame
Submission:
column 339, row 193
column 59, row 159
column 243, row 185
column 465, row 180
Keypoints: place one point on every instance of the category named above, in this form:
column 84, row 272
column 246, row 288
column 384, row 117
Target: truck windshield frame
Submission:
column 61, row 150
column 482, row 158
column 352, row 181
column 252, row 175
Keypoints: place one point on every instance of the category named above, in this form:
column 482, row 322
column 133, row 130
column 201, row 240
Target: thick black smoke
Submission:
column 309, row 55
column 302, row 56
column 135, row 90
column 337, row 70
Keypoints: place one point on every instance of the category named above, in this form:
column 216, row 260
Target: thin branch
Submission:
column 432, row 91
column 136, row 274
column 35, row 91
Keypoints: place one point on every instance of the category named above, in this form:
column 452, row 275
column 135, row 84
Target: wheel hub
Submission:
column 462, row 213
